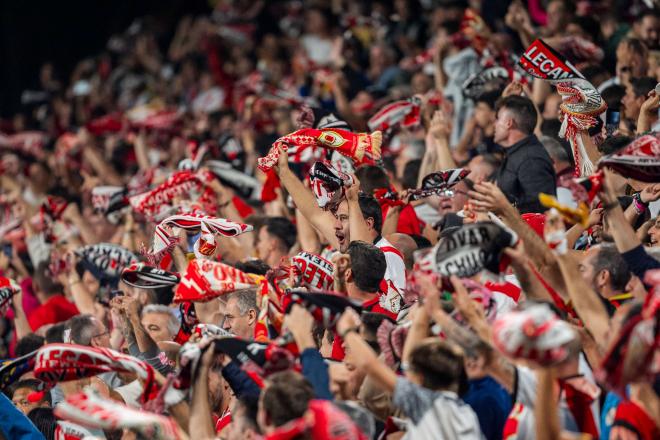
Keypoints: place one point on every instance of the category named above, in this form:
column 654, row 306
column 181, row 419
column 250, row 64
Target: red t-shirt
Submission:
column 631, row 419
column 56, row 309
column 408, row 223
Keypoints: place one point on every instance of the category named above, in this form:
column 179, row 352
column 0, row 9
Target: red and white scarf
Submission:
column 90, row 410
column 305, row 269
column 639, row 160
column 308, row 144
column 328, row 183
column 403, row 114
column 207, row 225
column 205, row 280
column 581, row 102
column 64, row 362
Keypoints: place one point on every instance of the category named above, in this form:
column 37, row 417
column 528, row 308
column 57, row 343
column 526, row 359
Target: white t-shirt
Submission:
column 395, row 276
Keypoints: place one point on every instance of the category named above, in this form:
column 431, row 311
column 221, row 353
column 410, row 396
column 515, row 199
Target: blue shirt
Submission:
column 492, row 404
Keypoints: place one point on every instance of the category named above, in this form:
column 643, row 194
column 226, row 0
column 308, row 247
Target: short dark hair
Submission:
column 255, row 266
column 370, row 323
column 29, row 343
column 368, row 265
column 440, row 364
column 286, row 397
column 489, row 98
column 45, row 282
column 642, row 86
column 44, row 420
column 523, row 111
column 283, row 229
column 612, row 144
column 56, row 333
column 411, row 173
column 372, row 177
column 609, row 259
column 31, row 384
column 636, row 46
column 371, row 209
column 82, row 329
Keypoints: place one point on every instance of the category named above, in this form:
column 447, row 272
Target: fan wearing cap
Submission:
column 359, row 217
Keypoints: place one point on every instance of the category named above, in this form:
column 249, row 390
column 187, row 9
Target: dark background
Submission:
column 66, row 31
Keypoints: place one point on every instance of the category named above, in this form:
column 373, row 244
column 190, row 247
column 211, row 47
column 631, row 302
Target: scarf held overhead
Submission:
column 205, row 280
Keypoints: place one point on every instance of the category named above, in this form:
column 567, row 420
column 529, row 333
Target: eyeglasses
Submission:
column 101, row 334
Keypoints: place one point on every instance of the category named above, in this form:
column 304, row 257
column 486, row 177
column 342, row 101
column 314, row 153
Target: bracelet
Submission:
column 638, row 204
column 349, row 330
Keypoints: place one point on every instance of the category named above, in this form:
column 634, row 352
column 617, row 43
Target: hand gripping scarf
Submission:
column 205, row 280
column 581, row 102
column 211, row 331
column 403, row 114
column 478, row 83
column 328, row 183
column 11, row 370
column 322, row 421
column 639, row 160
column 64, row 362
column 325, row 307
column 306, row 270
column 481, row 295
column 8, row 288
column 105, row 260
column 307, row 144
column 535, row 334
column 388, row 197
column 438, row 183
column 179, row 185
column 90, row 410
column 207, row 225
column 147, row 277
column 469, row 250
column 634, row 355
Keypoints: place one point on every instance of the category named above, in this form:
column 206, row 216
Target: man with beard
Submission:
column 605, row 270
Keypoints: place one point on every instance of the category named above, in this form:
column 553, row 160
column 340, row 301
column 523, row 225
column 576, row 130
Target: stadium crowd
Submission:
column 419, row 219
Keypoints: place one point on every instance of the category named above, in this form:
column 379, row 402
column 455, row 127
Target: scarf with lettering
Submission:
column 71, row 431
column 197, row 222
column 105, row 260
column 304, row 269
column 328, row 183
column 308, row 144
column 581, row 102
column 143, row 276
column 634, row 355
column 535, row 334
column 89, row 409
column 398, row 114
column 205, row 280
column 640, row 160
column 65, row 362
column 471, row 249
column 182, row 184
column 11, row 370
column 326, row 307
column 438, row 183
column 480, row 82
column 322, row 421
column 9, row 288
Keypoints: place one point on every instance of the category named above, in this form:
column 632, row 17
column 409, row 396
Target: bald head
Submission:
column 406, row 245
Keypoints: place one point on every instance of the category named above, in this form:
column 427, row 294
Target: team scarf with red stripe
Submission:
column 482, row 296
column 438, row 183
column 205, row 280
column 208, row 226
column 388, row 197
column 304, row 269
column 105, row 260
column 581, row 102
column 8, row 288
column 328, row 183
column 634, row 355
column 398, row 114
column 640, row 160
column 309, row 144
column 71, row 431
column 182, row 184
column 535, row 334
column 26, row 143
column 89, row 409
column 65, row 362
column 480, row 82
column 109, row 199
column 143, row 276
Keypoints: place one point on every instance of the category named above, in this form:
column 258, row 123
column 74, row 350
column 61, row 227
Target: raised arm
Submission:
column 357, row 224
column 322, row 220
